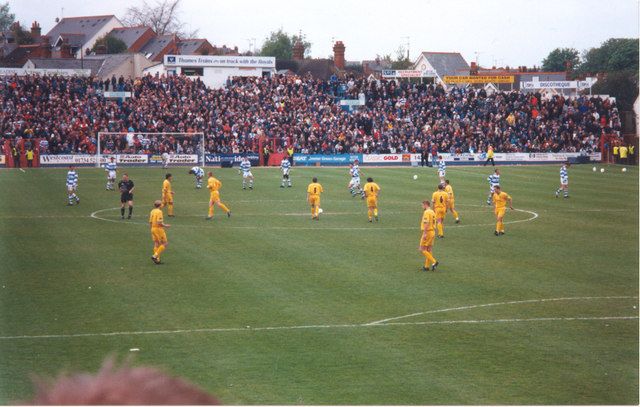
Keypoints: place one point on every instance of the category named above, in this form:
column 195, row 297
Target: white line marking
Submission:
column 329, row 326
column 495, row 304
column 94, row 215
column 21, row 170
column 370, row 324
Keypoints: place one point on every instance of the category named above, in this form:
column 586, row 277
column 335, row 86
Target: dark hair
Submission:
column 190, row 172
column 426, row 203
column 446, row 181
column 167, row 176
column 315, row 179
column 440, row 186
column 369, row 179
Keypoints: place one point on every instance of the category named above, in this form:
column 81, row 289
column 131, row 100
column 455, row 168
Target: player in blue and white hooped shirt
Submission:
column 285, row 167
column 245, row 167
column 494, row 181
column 110, row 167
column 72, row 186
column 354, row 183
column 199, row 173
column 564, row 180
column 442, row 169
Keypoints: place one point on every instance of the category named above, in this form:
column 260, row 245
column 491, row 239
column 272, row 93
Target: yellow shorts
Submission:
column 214, row 196
column 500, row 212
column 440, row 213
column 428, row 241
column 158, row 235
column 372, row 202
column 314, row 200
column 167, row 200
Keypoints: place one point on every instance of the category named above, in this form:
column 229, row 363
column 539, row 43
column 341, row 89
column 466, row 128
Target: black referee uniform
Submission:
column 126, row 195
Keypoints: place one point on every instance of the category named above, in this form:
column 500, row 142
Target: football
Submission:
column 601, row 169
column 594, row 169
column 415, row 177
column 320, row 210
column 624, row 170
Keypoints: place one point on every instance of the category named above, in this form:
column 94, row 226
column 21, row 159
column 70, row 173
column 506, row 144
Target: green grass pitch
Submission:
column 270, row 307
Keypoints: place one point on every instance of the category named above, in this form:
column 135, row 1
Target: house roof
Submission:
column 68, row 63
column 74, row 39
column 447, row 63
column 190, row 46
column 155, row 45
column 129, row 35
column 109, row 62
column 318, row 68
column 87, row 26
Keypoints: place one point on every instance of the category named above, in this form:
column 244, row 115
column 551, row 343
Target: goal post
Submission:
column 151, row 143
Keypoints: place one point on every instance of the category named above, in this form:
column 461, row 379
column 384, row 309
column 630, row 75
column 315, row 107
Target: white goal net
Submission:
column 172, row 149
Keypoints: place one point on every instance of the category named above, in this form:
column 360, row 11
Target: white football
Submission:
column 320, row 210
column 601, row 169
column 594, row 169
column 624, row 170
column 415, row 177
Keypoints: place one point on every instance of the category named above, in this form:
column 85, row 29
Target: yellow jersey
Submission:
column 314, row 189
column 213, row 184
column 428, row 220
column 500, row 200
column 371, row 190
column 623, row 151
column 490, row 153
column 440, row 200
column 449, row 190
column 166, row 188
column 155, row 218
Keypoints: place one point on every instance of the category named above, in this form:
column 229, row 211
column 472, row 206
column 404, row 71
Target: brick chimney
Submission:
column 65, row 49
column 36, row 31
column 474, row 69
column 298, row 51
column 338, row 54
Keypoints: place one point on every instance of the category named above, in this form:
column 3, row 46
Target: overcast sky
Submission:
column 501, row 32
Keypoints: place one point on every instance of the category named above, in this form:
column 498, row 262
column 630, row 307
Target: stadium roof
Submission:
column 68, row 63
column 447, row 63
column 87, row 26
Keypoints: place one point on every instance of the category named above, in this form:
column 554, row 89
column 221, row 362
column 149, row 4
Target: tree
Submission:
column 162, row 17
column 109, row 45
column 6, row 18
column 280, row 45
column 561, row 59
column 615, row 54
column 402, row 59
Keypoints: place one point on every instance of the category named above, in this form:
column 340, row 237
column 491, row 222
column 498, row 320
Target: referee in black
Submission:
column 126, row 195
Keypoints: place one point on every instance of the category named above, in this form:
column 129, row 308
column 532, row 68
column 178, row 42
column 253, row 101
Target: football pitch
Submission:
column 270, row 307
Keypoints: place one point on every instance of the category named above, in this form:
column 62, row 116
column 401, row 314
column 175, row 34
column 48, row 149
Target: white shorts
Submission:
column 112, row 175
column 355, row 182
column 247, row 174
column 564, row 181
column 285, row 171
column 441, row 174
column 71, row 188
column 492, row 189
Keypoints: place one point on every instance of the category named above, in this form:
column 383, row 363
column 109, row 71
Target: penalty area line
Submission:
column 311, row 327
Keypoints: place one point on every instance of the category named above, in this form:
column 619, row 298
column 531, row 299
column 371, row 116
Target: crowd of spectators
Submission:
column 66, row 114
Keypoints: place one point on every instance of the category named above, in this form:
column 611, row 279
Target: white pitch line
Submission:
column 21, row 170
column 94, row 215
column 495, row 304
column 329, row 326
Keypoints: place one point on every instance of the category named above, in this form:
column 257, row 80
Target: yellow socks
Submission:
column 428, row 259
column 223, row 207
column 211, row 211
column 170, row 209
column 440, row 229
column 158, row 251
column 375, row 212
column 455, row 213
column 500, row 226
column 370, row 213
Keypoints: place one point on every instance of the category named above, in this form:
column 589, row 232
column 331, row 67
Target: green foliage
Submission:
column 621, row 84
column 615, row 54
column 280, row 45
column 22, row 36
column 63, row 272
column 6, row 18
column 402, row 59
column 110, row 45
column 558, row 59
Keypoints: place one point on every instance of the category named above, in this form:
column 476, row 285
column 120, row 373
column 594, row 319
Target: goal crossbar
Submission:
column 136, row 133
